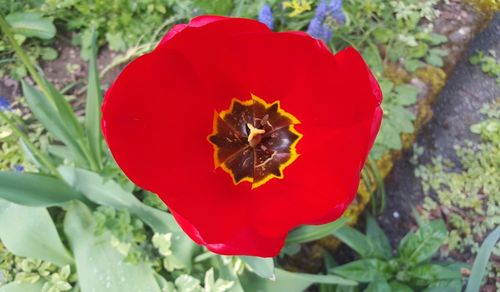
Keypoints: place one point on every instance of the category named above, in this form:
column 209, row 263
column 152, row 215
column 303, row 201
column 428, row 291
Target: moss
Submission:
column 396, row 73
column 485, row 7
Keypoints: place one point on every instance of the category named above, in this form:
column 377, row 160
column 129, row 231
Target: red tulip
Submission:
column 292, row 128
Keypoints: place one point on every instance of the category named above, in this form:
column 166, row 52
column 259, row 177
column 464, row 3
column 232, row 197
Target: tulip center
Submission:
column 254, row 141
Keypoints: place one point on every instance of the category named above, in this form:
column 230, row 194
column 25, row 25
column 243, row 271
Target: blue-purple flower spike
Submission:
column 18, row 168
column 316, row 27
column 335, row 11
column 4, row 103
column 266, row 16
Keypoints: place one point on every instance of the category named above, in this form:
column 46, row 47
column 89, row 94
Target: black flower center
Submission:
column 254, row 141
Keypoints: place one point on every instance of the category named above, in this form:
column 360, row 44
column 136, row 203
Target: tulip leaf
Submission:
column 263, row 267
column 378, row 237
column 364, row 270
column 290, row 282
column 31, row 24
column 22, row 287
column 30, row 232
column 479, row 267
column 109, row 193
column 99, row 265
column 92, row 106
column 360, row 243
column 47, row 114
column 421, row 245
column 35, row 190
column 310, row 233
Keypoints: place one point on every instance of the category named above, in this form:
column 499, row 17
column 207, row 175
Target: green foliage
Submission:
column 25, row 274
column 409, row 269
column 488, row 62
column 468, row 198
column 397, row 118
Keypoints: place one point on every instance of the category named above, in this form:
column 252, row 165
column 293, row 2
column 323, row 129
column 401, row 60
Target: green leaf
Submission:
column 48, row 115
column 428, row 273
column 357, row 241
column 378, row 286
column 406, row 94
column 446, row 286
column 383, row 35
column 109, row 193
column 412, row 65
column 22, row 287
column 290, row 282
column 35, row 190
column 421, row 245
column 377, row 236
column 399, row 287
column 31, row 24
column 434, row 60
column 479, row 267
column 372, row 57
column 92, row 107
column 311, row 233
column 364, row 270
column 48, row 54
column 437, row 39
column 100, row 267
column 217, row 7
column 30, row 232
column 263, row 267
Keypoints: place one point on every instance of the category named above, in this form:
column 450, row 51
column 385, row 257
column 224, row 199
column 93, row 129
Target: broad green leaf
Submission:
column 22, row 287
column 263, row 267
column 421, row 245
column 377, row 236
column 311, row 233
column 378, row 286
column 399, row 287
column 428, row 273
column 109, row 193
column 35, row 190
column 446, row 286
column 31, row 24
column 30, row 232
column 479, row 267
column 93, row 107
column 48, row 115
column 357, row 241
column 364, row 270
column 100, row 267
column 290, row 282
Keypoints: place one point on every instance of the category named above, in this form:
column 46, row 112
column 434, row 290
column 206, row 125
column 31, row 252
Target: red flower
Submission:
column 292, row 129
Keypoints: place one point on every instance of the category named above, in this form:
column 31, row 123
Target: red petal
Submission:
column 195, row 22
column 159, row 112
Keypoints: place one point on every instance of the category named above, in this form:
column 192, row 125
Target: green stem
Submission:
column 43, row 158
column 5, row 27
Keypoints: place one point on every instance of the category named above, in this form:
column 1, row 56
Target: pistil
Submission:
column 255, row 135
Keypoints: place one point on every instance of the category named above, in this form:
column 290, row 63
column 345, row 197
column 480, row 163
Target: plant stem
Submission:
column 43, row 158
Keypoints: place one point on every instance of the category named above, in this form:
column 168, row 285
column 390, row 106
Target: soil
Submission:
column 456, row 109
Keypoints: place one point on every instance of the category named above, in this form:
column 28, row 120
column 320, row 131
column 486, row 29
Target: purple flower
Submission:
column 316, row 28
column 266, row 16
column 18, row 168
column 335, row 11
column 4, row 103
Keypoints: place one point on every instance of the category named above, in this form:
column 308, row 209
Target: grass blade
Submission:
column 479, row 266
